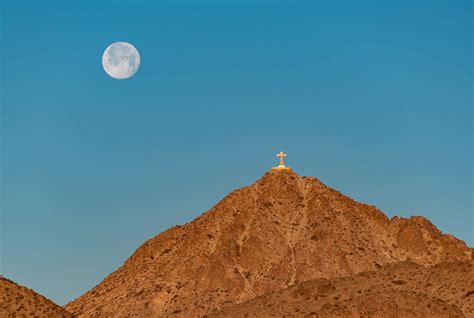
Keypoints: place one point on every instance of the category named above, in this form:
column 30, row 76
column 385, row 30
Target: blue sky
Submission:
column 375, row 99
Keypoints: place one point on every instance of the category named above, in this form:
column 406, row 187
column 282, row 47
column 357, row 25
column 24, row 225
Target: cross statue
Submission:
column 281, row 166
column 282, row 156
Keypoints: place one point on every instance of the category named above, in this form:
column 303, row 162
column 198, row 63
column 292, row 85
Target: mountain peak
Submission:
column 19, row 301
column 287, row 177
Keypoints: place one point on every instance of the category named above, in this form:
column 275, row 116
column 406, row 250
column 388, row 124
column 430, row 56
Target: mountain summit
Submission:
column 277, row 233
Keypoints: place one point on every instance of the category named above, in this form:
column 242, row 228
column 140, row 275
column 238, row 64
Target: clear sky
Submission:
column 374, row 98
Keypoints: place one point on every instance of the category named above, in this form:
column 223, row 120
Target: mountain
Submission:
column 403, row 289
column 19, row 301
column 281, row 231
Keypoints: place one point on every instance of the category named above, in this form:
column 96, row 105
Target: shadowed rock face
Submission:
column 403, row 289
column 18, row 301
column 282, row 230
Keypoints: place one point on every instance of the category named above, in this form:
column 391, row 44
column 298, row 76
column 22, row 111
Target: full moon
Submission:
column 121, row 60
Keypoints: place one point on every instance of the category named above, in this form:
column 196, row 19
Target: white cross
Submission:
column 282, row 156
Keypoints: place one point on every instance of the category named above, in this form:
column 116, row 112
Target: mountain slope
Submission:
column 281, row 230
column 403, row 289
column 19, row 301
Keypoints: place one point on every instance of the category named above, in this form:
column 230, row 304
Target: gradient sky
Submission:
column 373, row 99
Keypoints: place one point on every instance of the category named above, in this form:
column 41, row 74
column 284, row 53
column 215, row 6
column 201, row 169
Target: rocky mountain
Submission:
column 19, row 301
column 281, row 233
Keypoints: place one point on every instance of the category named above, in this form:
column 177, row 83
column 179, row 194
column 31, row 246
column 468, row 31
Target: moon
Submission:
column 121, row 60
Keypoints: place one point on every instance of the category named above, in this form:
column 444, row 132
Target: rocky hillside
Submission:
column 403, row 289
column 278, row 232
column 19, row 301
